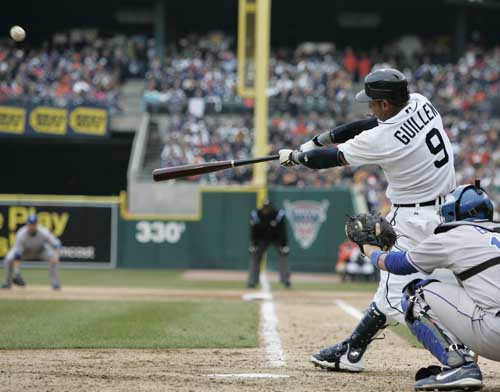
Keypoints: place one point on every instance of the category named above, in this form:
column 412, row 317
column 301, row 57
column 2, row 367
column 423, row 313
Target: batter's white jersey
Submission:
column 27, row 243
column 458, row 250
column 413, row 150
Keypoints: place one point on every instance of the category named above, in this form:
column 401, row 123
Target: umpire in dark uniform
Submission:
column 268, row 227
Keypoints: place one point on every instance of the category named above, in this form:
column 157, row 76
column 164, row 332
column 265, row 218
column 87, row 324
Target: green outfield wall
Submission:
column 101, row 232
column 218, row 236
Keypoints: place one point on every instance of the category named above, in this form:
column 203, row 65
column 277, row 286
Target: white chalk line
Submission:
column 248, row 375
column 350, row 310
column 272, row 340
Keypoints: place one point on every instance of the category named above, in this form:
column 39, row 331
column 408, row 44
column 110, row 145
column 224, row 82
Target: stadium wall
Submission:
column 218, row 236
column 101, row 232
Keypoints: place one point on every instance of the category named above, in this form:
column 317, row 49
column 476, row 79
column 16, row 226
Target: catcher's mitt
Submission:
column 361, row 229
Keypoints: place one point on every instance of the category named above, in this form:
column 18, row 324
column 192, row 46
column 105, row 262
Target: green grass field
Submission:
column 114, row 324
column 127, row 278
column 370, row 287
column 170, row 279
column 62, row 323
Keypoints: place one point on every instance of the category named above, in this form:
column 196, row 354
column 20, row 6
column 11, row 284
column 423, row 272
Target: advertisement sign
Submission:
column 76, row 121
column 12, row 120
column 87, row 232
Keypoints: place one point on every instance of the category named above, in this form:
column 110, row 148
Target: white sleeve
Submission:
column 430, row 254
column 365, row 149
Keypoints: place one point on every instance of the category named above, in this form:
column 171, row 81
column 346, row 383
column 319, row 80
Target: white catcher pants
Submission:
column 412, row 225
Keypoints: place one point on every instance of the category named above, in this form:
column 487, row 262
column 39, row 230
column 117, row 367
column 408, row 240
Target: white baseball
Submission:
column 17, row 33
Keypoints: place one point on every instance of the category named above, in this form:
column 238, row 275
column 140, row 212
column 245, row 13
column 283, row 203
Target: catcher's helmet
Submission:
column 467, row 202
column 385, row 83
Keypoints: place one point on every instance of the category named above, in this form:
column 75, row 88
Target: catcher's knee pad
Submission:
column 371, row 323
column 432, row 337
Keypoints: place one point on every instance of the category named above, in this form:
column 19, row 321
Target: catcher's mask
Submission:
column 467, row 202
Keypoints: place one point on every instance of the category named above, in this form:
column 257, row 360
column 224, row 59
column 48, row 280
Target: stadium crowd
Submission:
column 310, row 90
column 75, row 69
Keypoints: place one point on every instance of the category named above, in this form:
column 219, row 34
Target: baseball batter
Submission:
column 33, row 242
column 407, row 140
column 447, row 318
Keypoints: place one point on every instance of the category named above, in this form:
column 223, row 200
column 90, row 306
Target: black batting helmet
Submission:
column 385, row 83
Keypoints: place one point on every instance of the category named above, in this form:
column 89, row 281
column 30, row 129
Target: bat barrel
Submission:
column 170, row 173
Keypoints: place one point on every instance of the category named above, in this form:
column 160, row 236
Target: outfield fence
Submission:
column 101, row 231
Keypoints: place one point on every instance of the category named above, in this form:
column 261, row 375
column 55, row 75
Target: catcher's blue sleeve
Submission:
column 395, row 262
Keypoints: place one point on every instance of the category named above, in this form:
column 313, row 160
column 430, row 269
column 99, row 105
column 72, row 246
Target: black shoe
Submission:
column 18, row 280
column 251, row 286
column 340, row 357
column 287, row 285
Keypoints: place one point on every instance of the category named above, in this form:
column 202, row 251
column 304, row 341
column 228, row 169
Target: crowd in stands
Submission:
column 311, row 90
column 75, row 68
column 197, row 140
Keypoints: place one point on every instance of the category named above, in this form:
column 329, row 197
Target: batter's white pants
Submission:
column 412, row 225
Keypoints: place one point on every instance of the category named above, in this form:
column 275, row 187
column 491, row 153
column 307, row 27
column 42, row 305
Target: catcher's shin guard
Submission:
column 348, row 355
column 432, row 337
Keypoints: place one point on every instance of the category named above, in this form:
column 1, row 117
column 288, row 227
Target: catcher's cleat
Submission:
column 18, row 280
column 340, row 357
column 428, row 371
column 465, row 378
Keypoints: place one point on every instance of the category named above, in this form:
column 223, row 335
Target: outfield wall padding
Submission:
column 219, row 236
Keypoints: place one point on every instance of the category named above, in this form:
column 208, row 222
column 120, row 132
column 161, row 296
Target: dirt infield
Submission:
column 307, row 322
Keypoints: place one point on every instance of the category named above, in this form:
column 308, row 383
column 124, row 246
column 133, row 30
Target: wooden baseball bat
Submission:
column 169, row 173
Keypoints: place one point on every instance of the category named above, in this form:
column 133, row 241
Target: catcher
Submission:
column 448, row 320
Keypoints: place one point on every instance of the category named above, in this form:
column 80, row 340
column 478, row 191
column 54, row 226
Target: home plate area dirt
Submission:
column 307, row 321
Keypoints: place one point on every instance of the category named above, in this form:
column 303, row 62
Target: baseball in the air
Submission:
column 17, row 33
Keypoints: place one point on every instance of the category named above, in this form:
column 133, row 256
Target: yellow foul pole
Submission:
column 262, row 40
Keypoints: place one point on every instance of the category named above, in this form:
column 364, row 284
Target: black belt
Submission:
column 439, row 200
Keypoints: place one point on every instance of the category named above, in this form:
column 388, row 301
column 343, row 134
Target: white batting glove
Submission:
column 286, row 157
column 310, row 145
